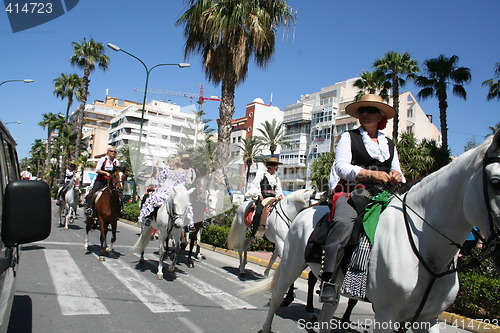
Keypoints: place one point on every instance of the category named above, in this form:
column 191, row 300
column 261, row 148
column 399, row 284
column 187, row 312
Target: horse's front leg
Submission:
column 88, row 227
column 68, row 216
column 113, row 236
column 176, row 251
column 161, row 255
column 104, row 234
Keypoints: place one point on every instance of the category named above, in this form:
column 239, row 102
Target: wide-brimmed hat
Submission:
column 73, row 164
column 370, row 100
column 273, row 161
column 185, row 157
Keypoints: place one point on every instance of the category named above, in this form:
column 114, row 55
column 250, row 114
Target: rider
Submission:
column 265, row 185
column 70, row 172
column 168, row 178
column 366, row 158
column 104, row 168
column 186, row 166
column 26, row 174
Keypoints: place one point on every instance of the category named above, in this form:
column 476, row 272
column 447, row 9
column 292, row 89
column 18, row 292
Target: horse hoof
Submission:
column 170, row 269
column 141, row 261
column 242, row 275
column 102, row 258
column 159, row 276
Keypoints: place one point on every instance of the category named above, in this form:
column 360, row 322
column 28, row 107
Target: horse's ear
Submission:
column 495, row 144
column 191, row 190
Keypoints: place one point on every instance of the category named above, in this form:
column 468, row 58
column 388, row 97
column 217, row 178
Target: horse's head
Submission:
column 304, row 198
column 117, row 179
column 180, row 203
column 492, row 193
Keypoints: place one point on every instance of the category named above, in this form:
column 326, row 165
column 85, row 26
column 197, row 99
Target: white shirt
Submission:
column 108, row 165
column 26, row 174
column 342, row 167
column 254, row 188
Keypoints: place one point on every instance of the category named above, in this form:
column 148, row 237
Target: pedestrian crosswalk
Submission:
column 76, row 296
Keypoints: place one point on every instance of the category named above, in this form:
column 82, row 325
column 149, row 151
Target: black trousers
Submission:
column 98, row 184
column 256, row 216
column 338, row 236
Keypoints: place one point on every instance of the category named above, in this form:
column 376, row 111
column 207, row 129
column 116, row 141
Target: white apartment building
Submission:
column 165, row 125
column 323, row 112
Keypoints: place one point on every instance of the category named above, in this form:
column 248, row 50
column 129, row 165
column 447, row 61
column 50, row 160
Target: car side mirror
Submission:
column 26, row 214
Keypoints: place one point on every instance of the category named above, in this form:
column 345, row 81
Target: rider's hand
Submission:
column 375, row 176
column 395, row 176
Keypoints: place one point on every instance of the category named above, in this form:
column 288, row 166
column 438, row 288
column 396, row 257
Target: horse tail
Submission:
column 263, row 285
column 233, row 238
column 143, row 239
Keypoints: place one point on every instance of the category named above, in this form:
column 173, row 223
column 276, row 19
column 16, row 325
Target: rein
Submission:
column 283, row 215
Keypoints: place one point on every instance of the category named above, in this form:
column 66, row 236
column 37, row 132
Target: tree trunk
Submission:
column 81, row 111
column 226, row 111
column 395, row 102
column 443, row 106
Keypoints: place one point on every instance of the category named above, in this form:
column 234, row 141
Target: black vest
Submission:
column 360, row 156
column 266, row 189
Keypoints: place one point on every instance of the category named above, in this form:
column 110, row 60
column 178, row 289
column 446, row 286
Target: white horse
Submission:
column 411, row 275
column 170, row 222
column 69, row 203
column 277, row 225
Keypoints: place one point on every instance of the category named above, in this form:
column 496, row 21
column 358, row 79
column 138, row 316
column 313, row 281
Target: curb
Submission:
column 472, row 325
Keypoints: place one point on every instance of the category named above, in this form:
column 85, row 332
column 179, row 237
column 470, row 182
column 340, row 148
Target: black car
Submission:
column 18, row 224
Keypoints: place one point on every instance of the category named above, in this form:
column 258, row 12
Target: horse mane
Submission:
column 296, row 196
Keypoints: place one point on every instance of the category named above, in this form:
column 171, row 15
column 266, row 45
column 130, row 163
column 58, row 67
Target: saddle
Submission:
column 268, row 204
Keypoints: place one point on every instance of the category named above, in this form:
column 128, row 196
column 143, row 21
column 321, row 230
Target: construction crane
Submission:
column 201, row 99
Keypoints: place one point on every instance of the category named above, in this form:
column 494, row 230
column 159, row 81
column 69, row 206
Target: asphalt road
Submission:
column 63, row 288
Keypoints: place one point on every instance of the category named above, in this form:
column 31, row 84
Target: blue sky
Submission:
column 331, row 42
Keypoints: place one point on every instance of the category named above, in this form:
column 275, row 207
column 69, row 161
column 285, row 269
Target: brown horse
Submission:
column 108, row 203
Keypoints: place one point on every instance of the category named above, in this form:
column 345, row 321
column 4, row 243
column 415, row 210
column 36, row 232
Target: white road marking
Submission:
column 216, row 295
column 74, row 293
column 149, row 293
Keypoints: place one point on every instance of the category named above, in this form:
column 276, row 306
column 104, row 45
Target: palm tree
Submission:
column 395, row 66
column 273, row 135
column 83, row 161
column 441, row 72
column 494, row 84
column 37, row 153
column 494, row 129
column 226, row 34
column 50, row 121
column 67, row 86
column 372, row 83
column 251, row 147
column 86, row 55
column 320, row 171
column 66, row 139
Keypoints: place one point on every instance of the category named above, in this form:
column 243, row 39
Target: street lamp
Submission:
column 25, row 81
column 148, row 71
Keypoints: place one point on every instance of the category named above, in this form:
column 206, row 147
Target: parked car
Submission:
column 25, row 214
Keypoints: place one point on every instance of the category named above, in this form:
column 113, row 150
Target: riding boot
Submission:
column 329, row 291
column 331, row 268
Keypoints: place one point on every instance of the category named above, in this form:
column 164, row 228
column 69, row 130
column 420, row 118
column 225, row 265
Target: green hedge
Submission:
column 131, row 211
column 479, row 293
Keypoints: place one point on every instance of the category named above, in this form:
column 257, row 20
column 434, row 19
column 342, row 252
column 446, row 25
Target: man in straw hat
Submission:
column 26, row 174
column 186, row 166
column 265, row 185
column 366, row 159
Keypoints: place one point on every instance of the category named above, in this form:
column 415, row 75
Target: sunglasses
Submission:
column 368, row 110
column 112, row 151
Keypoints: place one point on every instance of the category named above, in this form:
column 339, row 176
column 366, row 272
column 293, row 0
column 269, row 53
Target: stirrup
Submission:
column 88, row 211
column 329, row 293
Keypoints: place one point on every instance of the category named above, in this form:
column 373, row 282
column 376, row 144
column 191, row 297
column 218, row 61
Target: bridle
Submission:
column 489, row 247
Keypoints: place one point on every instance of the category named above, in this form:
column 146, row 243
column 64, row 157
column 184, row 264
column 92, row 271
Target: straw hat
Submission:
column 185, row 157
column 273, row 161
column 370, row 100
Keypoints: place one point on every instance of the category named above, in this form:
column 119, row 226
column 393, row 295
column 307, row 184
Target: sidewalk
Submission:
column 262, row 259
